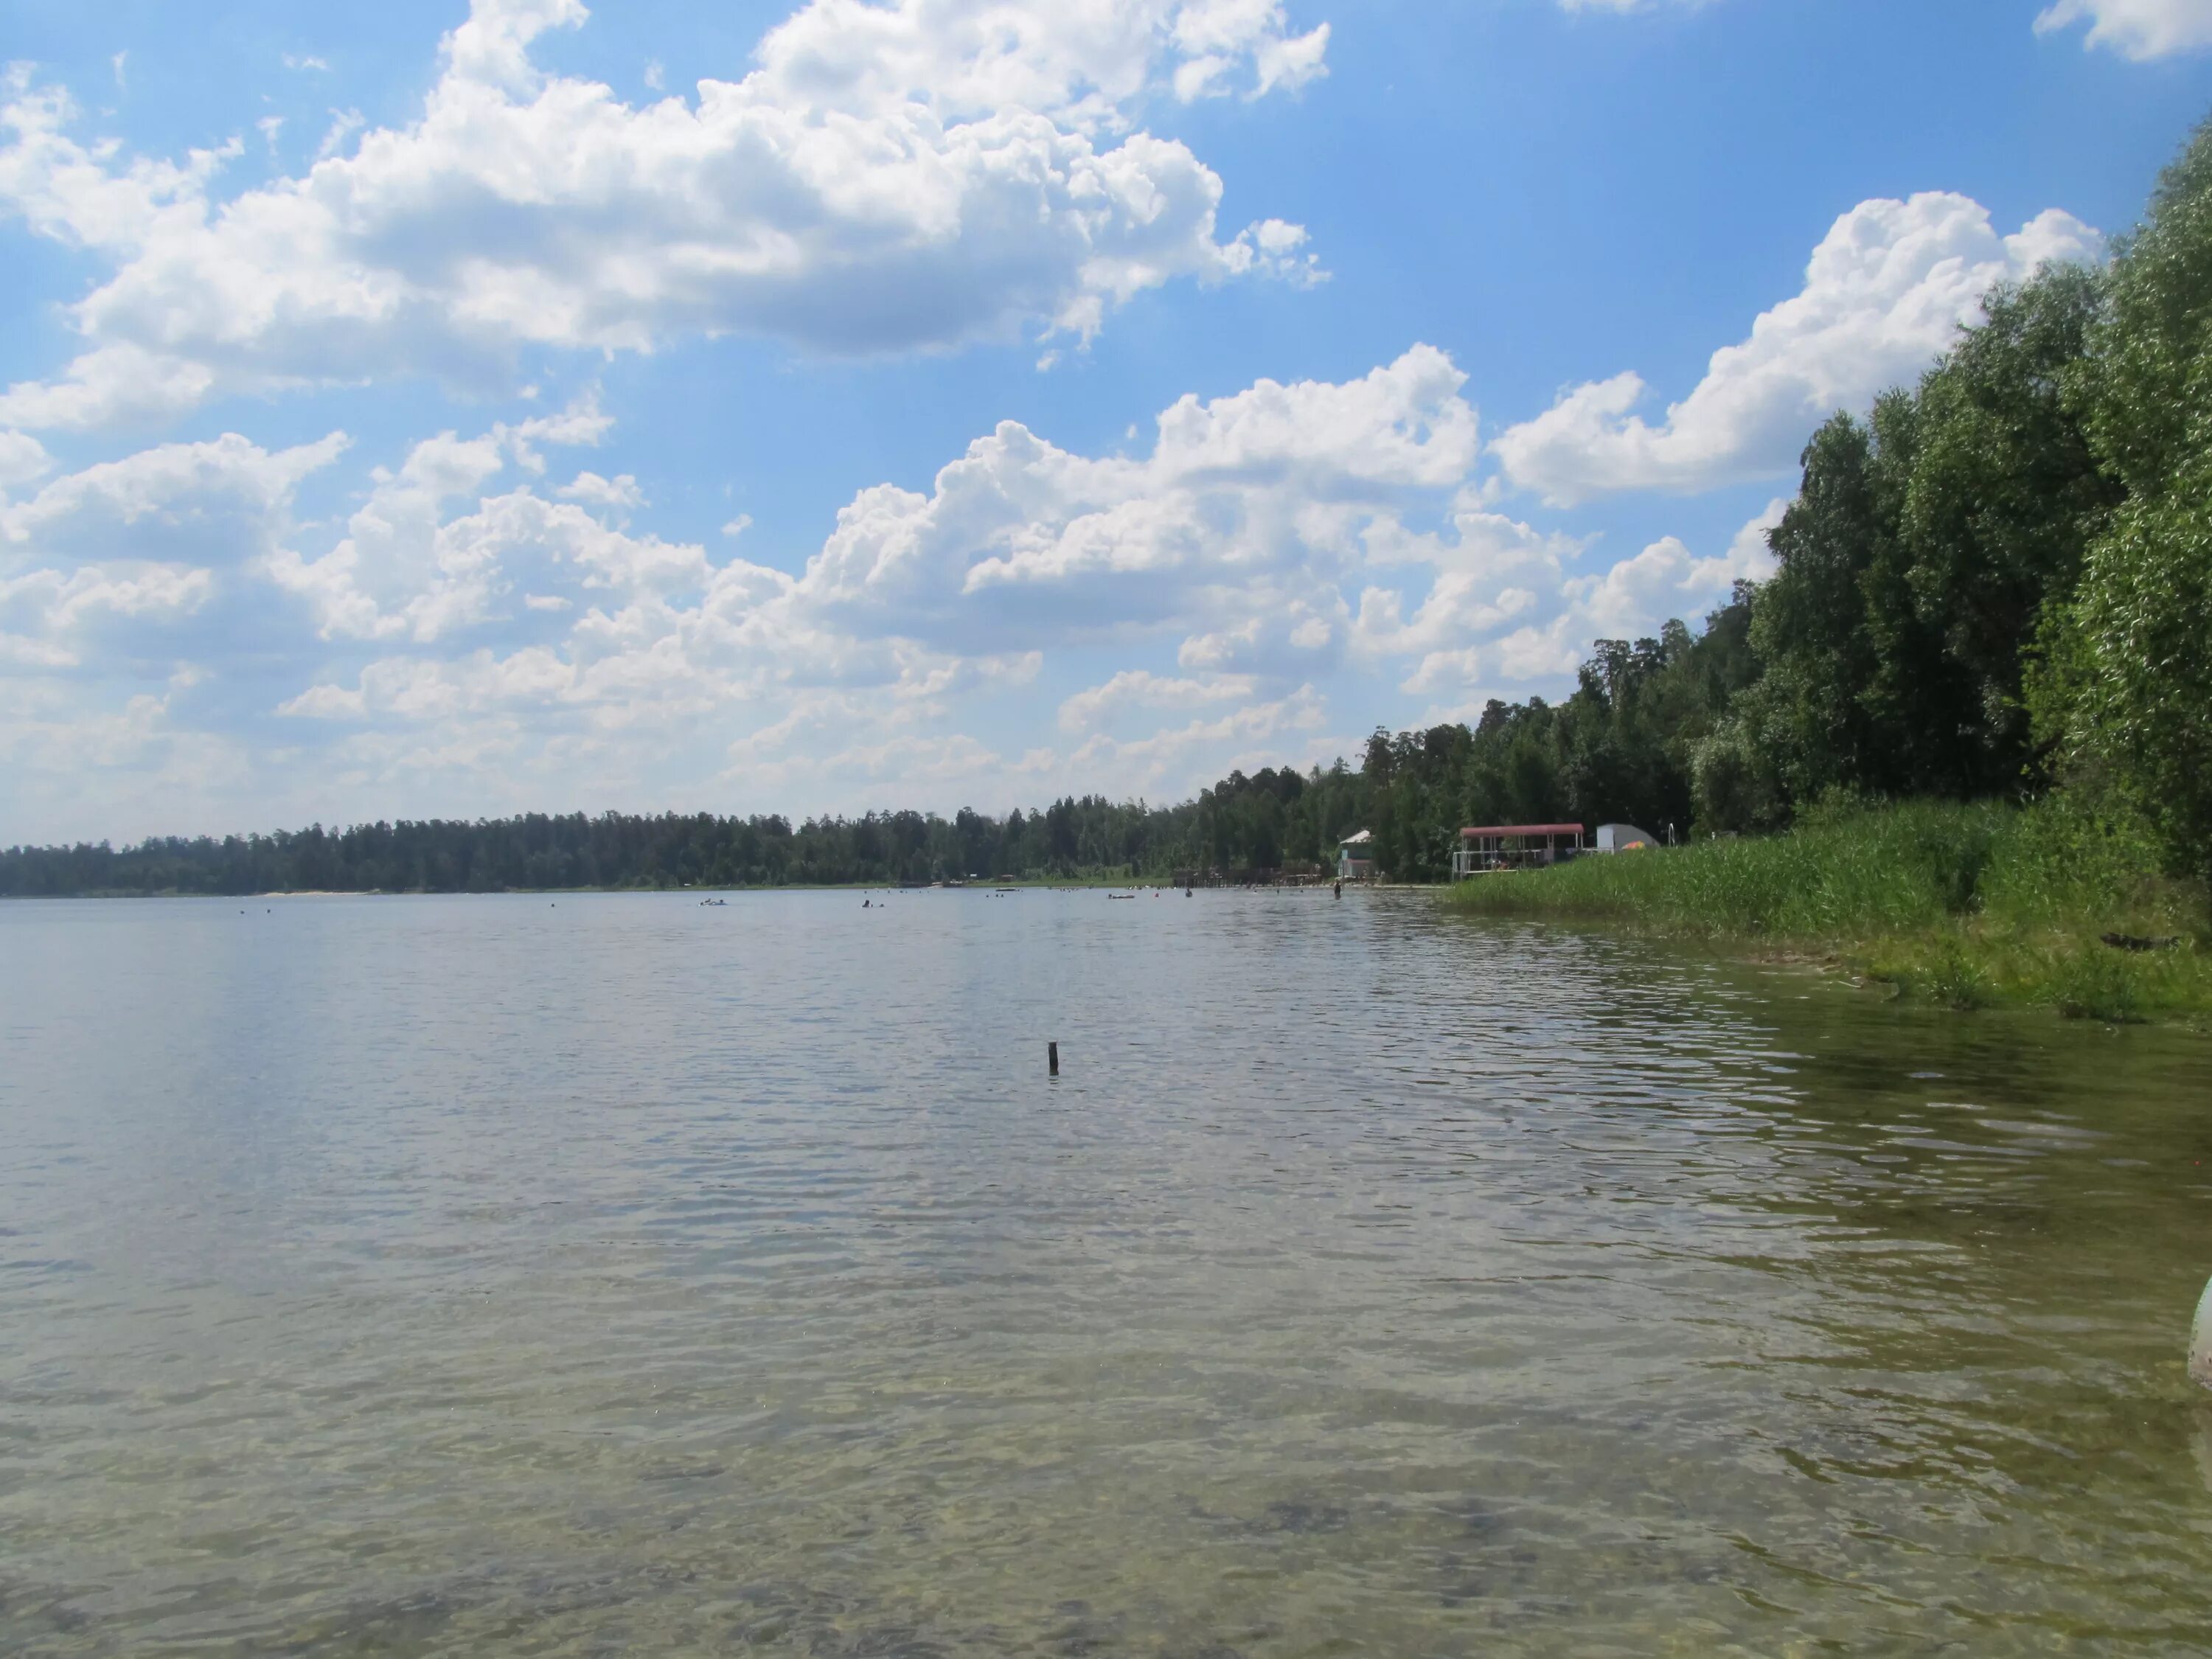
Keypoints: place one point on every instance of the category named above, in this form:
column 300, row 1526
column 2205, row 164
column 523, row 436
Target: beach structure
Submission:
column 1513, row 847
column 1623, row 838
column 1355, row 857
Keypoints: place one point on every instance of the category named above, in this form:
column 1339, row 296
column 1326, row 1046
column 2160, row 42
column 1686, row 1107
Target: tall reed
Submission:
column 1965, row 903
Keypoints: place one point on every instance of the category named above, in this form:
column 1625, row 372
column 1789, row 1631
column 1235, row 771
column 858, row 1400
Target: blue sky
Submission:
column 438, row 409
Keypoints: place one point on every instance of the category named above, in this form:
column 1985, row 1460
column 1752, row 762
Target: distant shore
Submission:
column 1963, row 906
column 1009, row 884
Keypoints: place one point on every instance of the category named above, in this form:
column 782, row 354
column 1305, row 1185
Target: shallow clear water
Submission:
column 507, row 1276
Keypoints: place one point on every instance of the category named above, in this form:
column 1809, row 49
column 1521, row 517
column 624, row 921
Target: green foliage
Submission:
column 1965, row 905
column 2143, row 712
column 1088, row 835
column 1954, row 980
column 1843, row 872
column 2090, row 983
column 2126, row 689
column 2063, row 859
column 2005, row 494
column 1623, row 748
column 1916, row 566
column 1802, row 729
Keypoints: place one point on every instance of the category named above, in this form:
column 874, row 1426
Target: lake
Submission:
column 609, row 1273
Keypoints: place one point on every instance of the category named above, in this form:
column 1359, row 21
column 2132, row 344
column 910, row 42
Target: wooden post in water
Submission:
column 2200, row 1340
column 1052, row 1058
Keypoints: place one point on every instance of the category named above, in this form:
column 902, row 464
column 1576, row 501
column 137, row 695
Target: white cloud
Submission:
column 467, row 620
column 1885, row 294
column 22, row 459
column 1665, row 580
column 114, row 384
column 344, row 123
column 491, row 628
column 1237, row 537
column 619, row 493
column 221, row 502
column 1137, row 687
column 1084, row 61
column 1236, row 526
column 44, row 604
column 1493, row 575
column 405, row 569
column 1537, row 621
column 2138, row 29
column 889, row 178
column 1258, row 734
column 1749, row 556
column 125, row 570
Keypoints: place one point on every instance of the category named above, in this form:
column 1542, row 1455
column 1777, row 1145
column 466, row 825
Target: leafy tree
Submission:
column 1802, row 722
column 2004, row 496
column 2128, row 691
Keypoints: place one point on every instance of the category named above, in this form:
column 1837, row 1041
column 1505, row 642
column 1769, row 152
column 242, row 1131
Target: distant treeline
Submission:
column 1622, row 747
column 1597, row 754
column 621, row 849
column 1999, row 585
column 1617, row 749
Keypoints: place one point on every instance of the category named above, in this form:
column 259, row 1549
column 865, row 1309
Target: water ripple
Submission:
column 473, row 1275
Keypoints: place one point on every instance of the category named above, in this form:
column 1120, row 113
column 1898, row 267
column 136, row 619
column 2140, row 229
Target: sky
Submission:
column 451, row 409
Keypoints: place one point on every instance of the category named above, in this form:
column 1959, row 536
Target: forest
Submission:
column 1998, row 585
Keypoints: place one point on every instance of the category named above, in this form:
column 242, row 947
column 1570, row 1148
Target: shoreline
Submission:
column 1040, row 884
column 1961, row 906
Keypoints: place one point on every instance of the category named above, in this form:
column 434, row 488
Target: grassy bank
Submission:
column 1965, row 905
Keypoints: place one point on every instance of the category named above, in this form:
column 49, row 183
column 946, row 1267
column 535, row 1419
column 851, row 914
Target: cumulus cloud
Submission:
column 2138, row 29
column 619, row 493
column 407, row 567
column 218, row 502
column 1534, row 617
column 486, row 598
column 486, row 613
column 41, row 611
column 1138, row 688
column 1885, row 293
column 1287, row 728
column 22, row 459
column 1237, row 537
column 119, row 572
column 1236, row 525
column 1665, row 580
column 888, row 177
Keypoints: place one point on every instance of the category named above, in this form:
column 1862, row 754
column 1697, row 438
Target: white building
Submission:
column 1355, row 857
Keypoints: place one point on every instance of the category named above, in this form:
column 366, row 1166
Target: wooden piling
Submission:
column 1052, row 1058
column 2200, row 1340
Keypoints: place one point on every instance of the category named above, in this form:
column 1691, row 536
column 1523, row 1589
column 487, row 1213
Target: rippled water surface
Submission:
column 507, row 1276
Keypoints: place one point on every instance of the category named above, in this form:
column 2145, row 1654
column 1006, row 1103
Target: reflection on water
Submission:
column 496, row 1276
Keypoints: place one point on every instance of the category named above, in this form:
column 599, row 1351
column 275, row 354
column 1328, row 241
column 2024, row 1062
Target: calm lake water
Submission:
column 507, row 1276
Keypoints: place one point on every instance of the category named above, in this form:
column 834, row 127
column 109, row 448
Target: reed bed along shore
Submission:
column 1965, row 905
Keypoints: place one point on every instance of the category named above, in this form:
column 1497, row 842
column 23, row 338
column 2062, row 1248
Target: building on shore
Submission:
column 1513, row 847
column 1623, row 838
column 1355, row 857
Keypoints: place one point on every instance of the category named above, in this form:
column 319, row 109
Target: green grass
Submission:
column 1965, row 906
